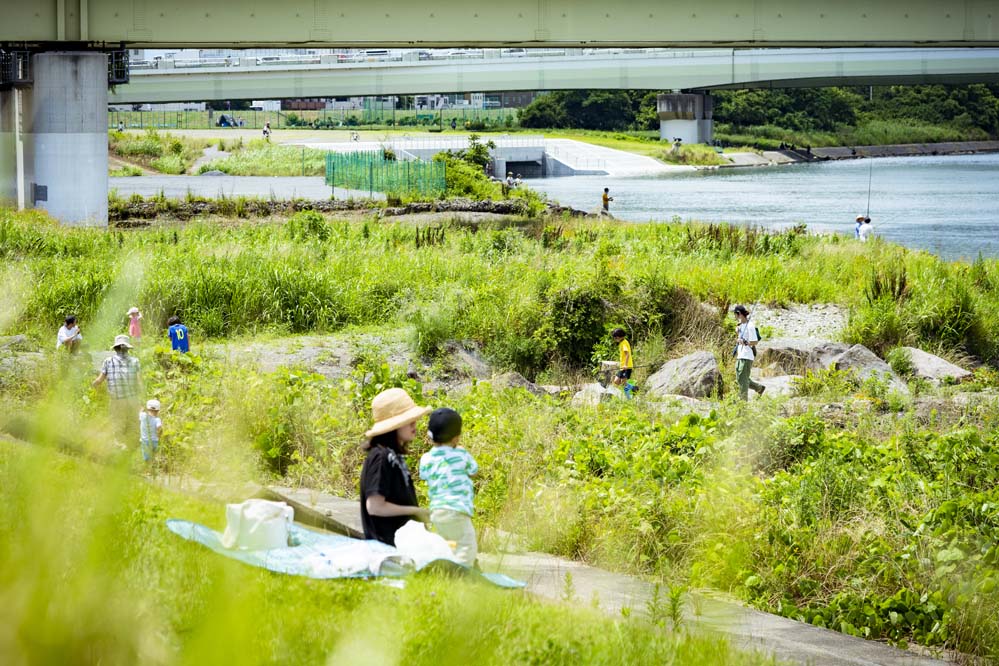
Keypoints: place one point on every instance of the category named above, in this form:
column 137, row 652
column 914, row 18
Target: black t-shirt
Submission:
column 385, row 473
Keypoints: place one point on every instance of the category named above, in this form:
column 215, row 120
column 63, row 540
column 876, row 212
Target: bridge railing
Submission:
column 411, row 56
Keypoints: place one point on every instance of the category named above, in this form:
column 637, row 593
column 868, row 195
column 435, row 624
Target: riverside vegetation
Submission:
column 879, row 521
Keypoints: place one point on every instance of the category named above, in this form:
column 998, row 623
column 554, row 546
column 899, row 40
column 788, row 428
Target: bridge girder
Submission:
column 398, row 23
column 703, row 71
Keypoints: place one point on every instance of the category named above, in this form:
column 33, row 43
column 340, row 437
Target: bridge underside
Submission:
column 356, row 23
column 726, row 69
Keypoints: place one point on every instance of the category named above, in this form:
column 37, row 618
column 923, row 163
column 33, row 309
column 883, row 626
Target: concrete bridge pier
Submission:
column 8, row 148
column 54, row 140
column 687, row 116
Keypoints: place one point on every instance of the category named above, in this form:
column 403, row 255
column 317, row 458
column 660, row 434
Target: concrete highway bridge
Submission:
column 58, row 57
column 688, row 117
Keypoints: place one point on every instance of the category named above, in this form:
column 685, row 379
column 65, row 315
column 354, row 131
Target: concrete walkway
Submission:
column 546, row 575
column 581, row 156
column 312, row 188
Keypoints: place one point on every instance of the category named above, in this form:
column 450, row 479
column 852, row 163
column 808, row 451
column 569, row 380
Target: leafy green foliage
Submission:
column 308, row 224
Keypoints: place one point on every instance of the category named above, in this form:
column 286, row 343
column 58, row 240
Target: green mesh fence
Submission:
column 371, row 172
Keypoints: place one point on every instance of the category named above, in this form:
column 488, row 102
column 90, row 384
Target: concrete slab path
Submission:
column 546, row 576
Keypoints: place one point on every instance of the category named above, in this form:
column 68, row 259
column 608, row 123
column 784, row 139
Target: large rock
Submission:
column 15, row 342
column 515, row 380
column 695, row 376
column 825, row 354
column 793, row 355
column 671, row 404
column 593, row 394
column 776, row 386
column 934, row 368
column 468, row 361
column 865, row 364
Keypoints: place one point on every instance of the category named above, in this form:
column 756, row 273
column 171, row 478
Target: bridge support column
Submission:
column 8, row 148
column 66, row 144
column 686, row 116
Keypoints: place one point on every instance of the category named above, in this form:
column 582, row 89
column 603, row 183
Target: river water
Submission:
column 948, row 205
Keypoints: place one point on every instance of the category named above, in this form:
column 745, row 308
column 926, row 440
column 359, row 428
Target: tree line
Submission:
column 799, row 109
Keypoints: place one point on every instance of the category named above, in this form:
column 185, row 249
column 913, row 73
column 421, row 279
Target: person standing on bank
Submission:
column 388, row 497
column 745, row 353
column 121, row 372
column 605, row 200
column 865, row 231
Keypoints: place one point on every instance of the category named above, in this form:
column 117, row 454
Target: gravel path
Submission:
column 823, row 321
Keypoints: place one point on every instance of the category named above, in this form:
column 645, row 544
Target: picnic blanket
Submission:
column 325, row 556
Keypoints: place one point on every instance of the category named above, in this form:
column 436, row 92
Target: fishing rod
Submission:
column 870, row 176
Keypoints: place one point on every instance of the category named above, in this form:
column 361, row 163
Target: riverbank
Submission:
column 846, row 471
column 798, row 155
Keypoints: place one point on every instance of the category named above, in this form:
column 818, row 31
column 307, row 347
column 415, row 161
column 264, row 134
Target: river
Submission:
column 948, row 205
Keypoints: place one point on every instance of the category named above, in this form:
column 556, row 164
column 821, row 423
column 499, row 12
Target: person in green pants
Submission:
column 745, row 353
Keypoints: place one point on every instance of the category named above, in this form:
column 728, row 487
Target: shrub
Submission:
column 308, row 225
column 900, row 361
column 790, row 441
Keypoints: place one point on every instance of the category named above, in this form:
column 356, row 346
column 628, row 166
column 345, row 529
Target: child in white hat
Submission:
column 150, row 426
column 135, row 324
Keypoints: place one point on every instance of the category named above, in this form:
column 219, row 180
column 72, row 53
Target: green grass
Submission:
column 874, row 522
column 260, row 158
column 91, row 575
column 528, row 273
column 163, row 152
column 125, row 171
column 867, row 132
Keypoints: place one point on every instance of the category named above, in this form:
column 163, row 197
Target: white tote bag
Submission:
column 257, row 524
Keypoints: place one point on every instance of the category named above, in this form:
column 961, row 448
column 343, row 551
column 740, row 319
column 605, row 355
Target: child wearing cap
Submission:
column 150, row 426
column 447, row 469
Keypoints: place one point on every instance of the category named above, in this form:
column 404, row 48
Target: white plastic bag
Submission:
column 257, row 524
column 423, row 547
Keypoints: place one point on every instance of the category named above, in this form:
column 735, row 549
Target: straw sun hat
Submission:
column 393, row 409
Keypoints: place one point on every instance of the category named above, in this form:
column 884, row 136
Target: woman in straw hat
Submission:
column 388, row 498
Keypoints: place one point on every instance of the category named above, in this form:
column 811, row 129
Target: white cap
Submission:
column 153, row 404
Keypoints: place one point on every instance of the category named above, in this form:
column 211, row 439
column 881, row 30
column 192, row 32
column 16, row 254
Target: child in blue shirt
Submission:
column 178, row 335
column 447, row 469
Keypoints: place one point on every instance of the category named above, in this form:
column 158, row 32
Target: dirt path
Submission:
column 119, row 163
column 209, row 154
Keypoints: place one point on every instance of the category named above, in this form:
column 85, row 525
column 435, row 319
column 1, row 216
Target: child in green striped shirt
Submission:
column 447, row 468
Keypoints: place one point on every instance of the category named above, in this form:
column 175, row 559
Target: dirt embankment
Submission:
column 129, row 213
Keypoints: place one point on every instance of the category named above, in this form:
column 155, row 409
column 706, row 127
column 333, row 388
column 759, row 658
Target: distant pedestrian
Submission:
column 121, row 126
column 856, row 229
column 606, row 199
column 267, row 131
column 866, row 230
column 454, row 123
column 745, row 353
column 447, row 469
column 179, row 340
column 69, row 336
column 150, row 426
column 121, row 373
column 135, row 324
column 518, row 181
column 509, row 179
